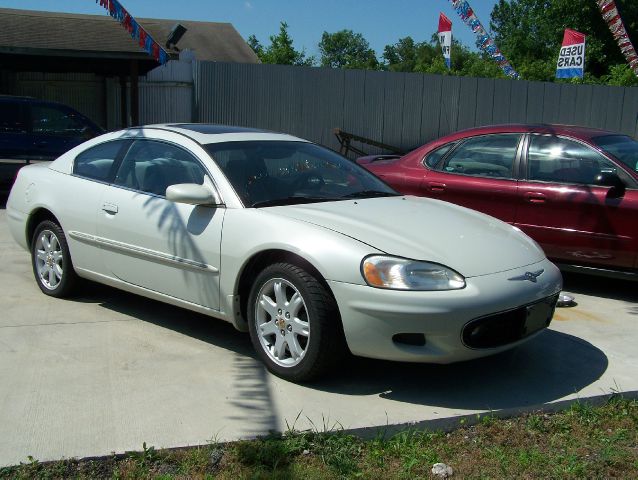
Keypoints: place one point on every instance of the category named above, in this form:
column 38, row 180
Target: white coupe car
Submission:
column 285, row 239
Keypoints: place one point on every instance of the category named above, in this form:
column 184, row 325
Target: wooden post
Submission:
column 135, row 98
column 123, row 102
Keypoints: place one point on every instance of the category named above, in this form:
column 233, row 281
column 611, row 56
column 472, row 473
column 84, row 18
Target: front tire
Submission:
column 51, row 260
column 294, row 323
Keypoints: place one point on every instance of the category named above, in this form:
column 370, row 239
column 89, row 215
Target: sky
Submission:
column 381, row 22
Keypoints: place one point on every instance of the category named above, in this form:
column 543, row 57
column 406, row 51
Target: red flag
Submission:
column 572, row 37
column 142, row 37
column 445, row 24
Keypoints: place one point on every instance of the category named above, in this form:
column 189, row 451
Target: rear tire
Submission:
column 294, row 323
column 51, row 260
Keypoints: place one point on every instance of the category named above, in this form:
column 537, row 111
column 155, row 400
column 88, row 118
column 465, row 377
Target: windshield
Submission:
column 269, row 173
column 622, row 147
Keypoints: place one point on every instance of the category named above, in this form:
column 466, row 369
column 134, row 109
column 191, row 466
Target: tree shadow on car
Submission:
column 547, row 368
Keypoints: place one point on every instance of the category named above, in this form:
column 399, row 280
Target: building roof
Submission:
column 63, row 34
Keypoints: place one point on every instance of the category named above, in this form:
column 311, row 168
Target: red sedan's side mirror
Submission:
column 609, row 178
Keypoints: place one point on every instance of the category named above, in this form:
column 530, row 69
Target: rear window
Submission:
column 12, row 118
column 53, row 120
column 97, row 163
column 484, row 156
column 434, row 157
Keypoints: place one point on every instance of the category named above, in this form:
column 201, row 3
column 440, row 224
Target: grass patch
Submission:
column 584, row 441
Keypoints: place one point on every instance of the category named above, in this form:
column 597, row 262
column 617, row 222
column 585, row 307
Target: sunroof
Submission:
column 210, row 129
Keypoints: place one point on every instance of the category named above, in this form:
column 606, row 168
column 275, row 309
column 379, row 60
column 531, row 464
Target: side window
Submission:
column 151, row 167
column 553, row 159
column 434, row 157
column 12, row 118
column 49, row 120
column 485, row 156
column 96, row 163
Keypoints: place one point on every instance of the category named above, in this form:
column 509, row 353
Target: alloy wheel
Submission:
column 282, row 323
column 49, row 259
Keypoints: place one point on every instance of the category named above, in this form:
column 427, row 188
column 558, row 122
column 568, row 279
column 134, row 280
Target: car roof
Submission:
column 205, row 133
column 583, row 133
column 24, row 98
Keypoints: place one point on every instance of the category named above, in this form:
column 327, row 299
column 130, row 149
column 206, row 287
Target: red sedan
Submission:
column 572, row 189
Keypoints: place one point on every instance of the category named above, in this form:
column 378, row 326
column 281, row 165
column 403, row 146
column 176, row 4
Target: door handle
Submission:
column 436, row 187
column 535, row 197
column 109, row 208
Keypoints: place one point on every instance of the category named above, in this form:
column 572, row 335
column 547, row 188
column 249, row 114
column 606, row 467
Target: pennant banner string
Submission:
column 614, row 22
column 137, row 32
column 484, row 41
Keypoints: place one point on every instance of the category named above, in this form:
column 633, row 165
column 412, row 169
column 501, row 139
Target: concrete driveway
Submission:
column 108, row 370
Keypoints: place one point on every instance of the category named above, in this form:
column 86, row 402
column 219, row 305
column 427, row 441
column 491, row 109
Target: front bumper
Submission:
column 372, row 317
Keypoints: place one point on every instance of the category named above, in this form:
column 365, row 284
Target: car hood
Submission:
column 470, row 242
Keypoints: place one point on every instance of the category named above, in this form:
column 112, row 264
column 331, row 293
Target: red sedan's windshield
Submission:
column 622, row 147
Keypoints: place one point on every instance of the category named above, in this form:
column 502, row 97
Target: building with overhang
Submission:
column 92, row 64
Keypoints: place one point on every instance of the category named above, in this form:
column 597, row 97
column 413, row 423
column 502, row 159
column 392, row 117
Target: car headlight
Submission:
column 404, row 274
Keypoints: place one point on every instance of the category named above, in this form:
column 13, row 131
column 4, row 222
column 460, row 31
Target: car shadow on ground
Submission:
column 201, row 327
column 547, row 368
column 616, row 289
column 250, row 384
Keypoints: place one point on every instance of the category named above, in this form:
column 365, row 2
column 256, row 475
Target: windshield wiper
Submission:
column 295, row 199
column 370, row 194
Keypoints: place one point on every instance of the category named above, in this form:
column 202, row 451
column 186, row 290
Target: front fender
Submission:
column 249, row 231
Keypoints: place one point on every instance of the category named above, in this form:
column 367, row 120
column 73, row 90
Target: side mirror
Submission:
column 192, row 194
column 609, row 178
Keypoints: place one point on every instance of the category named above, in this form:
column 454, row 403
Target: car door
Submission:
column 81, row 193
column 561, row 207
column 152, row 242
column 479, row 173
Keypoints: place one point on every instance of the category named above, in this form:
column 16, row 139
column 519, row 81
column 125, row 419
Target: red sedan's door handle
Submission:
column 535, row 197
column 436, row 187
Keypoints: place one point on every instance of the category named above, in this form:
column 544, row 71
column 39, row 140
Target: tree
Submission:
column 622, row 76
column 346, row 49
column 409, row 56
column 256, row 46
column 281, row 50
column 402, row 56
column 530, row 33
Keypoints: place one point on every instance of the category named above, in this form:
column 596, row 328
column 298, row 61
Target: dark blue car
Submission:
column 32, row 129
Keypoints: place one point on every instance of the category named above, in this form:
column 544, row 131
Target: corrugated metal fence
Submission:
column 400, row 109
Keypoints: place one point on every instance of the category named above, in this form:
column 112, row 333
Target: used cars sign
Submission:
column 571, row 60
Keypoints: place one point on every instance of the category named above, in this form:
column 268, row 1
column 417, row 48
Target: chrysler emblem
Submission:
column 531, row 276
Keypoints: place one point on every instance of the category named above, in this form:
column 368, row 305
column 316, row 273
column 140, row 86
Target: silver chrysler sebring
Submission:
column 302, row 248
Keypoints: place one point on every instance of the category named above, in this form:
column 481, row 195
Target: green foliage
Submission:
column 402, row 56
column 281, row 50
column 621, row 75
column 585, row 441
column 256, row 45
column 409, row 56
column 530, row 33
column 346, row 49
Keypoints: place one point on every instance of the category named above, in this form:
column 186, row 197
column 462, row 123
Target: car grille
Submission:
column 507, row 327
